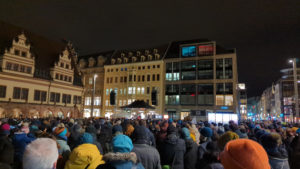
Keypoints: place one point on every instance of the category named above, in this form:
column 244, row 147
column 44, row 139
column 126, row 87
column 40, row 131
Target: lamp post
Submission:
column 93, row 94
column 293, row 61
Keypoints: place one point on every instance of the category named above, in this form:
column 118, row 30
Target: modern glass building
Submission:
column 200, row 78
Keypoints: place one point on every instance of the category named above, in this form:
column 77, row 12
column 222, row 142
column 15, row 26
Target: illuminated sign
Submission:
column 224, row 107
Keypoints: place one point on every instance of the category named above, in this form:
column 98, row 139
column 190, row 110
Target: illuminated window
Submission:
column 97, row 101
column 125, row 91
column 169, row 76
column 133, row 90
column 228, row 100
column 205, row 50
column 188, row 51
column 124, row 102
column 129, row 90
column 219, row 100
column 106, row 103
column 121, row 91
column 129, row 101
column 142, row 90
column 138, row 90
column 88, row 101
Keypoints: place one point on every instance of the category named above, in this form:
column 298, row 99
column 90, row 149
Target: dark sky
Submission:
column 264, row 32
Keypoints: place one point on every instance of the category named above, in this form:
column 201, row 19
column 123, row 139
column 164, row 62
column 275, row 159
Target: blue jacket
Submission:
column 20, row 141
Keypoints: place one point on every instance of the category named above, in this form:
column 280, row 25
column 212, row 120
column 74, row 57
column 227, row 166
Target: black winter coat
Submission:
column 191, row 154
column 172, row 152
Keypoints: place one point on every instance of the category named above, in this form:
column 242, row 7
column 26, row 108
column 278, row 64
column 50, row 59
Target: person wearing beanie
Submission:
column 278, row 156
column 5, row 129
column 225, row 138
column 122, row 157
column 117, row 129
column 20, row 141
column 93, row 131
column 205, row 138
column 244, row 154
column 6, row 146
column 146, row 154
column 85, row 156
column 62, row 134
column 172, row 149
column 190, row 156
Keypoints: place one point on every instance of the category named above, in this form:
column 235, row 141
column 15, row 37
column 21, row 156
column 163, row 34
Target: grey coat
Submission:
column 147, row 155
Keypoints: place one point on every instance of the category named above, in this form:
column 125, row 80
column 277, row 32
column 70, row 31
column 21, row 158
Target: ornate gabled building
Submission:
column 38, row 76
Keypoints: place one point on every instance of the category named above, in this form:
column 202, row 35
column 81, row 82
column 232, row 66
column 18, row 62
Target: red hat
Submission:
column 244, row 154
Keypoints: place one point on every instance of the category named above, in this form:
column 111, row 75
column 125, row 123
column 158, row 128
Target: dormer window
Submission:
column 143, row 58
column 133, row 59
column 122, row 54
column 125, row 60
column 91, row 62
column 82, row 63
column 157, row 56
column 155, row 51
column 119, row 60
column 130, row 54
column 17, row 52
column 147, row 52
column 138, row 53
column 149, row 57
column 100, row 60
column 113, row 61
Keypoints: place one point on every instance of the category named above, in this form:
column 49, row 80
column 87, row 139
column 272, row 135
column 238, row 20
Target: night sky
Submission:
column 265, row 32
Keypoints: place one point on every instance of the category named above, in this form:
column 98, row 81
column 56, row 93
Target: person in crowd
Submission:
column 150, row 136
column 278, row 156
column 85, row 156
column 93, row 131
column 61, row 133
column 129, row 129
column 75, row 132
column 244, row 154
column 205, row 138
column 146, row 154
column 6, row 146
column 172, row 149
column 225, row 138
column 20, row 141
column 116, row 130
column 40, row 154
column 122, row 157
column 191, row 154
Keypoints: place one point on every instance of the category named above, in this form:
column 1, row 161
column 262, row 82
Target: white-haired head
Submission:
column 40, row 154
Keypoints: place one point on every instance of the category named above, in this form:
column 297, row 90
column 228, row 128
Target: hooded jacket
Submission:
column 172, row 151
column 147, row 155
column 190, row 156
column 120, row 161
column 85, row 156
column 20, row 141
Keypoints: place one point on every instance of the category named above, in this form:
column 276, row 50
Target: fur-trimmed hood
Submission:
column 113, row 157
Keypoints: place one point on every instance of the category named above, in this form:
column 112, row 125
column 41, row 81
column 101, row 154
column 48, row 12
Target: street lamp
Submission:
column 93, row 94
column 294, row 62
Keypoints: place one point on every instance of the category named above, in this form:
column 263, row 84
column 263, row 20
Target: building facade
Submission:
column 242, row 101
column 134, row 75
column 200, row 79
column 92, row 68
column 37, row 76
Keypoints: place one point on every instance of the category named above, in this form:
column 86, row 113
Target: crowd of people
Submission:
column 151, row 144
